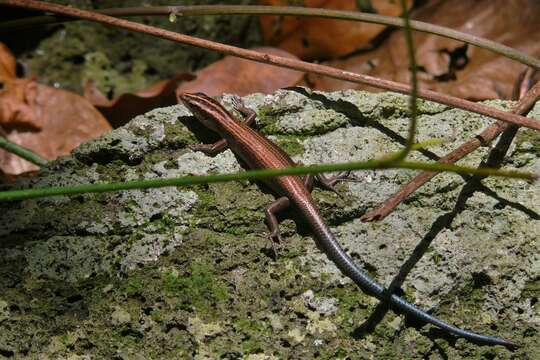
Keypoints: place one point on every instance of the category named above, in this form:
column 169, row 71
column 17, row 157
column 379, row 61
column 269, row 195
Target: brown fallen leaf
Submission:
column 68, row 120
column 16, row 95
column 8, row 64
column 123, row 108
column 312, row 38
column 239, row 76
column 49, row 121
column 449, row 66
column 16, row 105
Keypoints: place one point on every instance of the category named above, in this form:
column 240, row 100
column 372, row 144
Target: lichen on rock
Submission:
column 188, row 272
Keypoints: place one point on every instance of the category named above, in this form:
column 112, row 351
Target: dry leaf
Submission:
column 68, row 120
column 16, row 95
column 126, row 106
column 449, row 66
column 315, row 38
column 49, row 121
column 8, row 64
column 16, row 106
column 239, row 76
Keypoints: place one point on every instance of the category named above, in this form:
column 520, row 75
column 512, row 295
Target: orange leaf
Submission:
column 126, row 106
column 449, row 66
column 315, row 38
column 8, row 64
column 15, row 96
column 16, row 106
column 239, row 76
column 49, row 121
column 68, row 120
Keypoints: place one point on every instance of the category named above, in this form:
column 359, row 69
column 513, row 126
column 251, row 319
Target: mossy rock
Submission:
column 188, row 272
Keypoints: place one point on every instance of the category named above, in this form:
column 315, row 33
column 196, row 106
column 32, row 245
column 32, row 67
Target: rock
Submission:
column 120, row 317
column 185, row 272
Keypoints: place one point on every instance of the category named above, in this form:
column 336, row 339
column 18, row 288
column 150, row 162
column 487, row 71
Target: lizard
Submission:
column 258, row 152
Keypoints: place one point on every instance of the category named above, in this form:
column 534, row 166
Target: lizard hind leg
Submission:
column 271, row 220
column 325, row 182
column 328, row 183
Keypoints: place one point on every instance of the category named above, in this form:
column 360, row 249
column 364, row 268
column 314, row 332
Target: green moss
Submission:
column 128, row 341
column 134, row 285
column 222, row 208
column 437, row 258
column 532, row 291
column 252, row 346
column 142, row 131
column 266, row 119
column 408, row 294
column 254, row 331
column 251, row 326
column 64, row 339
column 99, row 69
column 200, row 289
column 333, row 353
column 158, row 316
column 290, row 144
column 178, row 136
column 352, row 309
column 468, row 313
column 532, row 138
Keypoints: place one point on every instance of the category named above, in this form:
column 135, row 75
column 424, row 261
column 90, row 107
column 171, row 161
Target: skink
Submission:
column 258, row 152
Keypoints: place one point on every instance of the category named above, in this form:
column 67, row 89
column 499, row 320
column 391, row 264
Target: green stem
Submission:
column 253, row 174
column 25, row 153
column 295, row 11
column 414, row 88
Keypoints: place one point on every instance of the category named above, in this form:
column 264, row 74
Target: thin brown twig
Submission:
column 524, row 105
column 278, row 61
column 194, row 10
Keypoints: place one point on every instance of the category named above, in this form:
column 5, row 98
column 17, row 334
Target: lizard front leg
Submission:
column 324, row 182
column 210, row 149
column 221, row 145
column 239, row 106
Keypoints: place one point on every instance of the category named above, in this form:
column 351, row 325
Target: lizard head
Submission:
column 207, row 110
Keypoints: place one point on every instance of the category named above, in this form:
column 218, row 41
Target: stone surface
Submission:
column 188, row 272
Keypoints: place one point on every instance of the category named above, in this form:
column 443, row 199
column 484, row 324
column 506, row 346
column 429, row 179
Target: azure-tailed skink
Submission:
column 258, row 152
